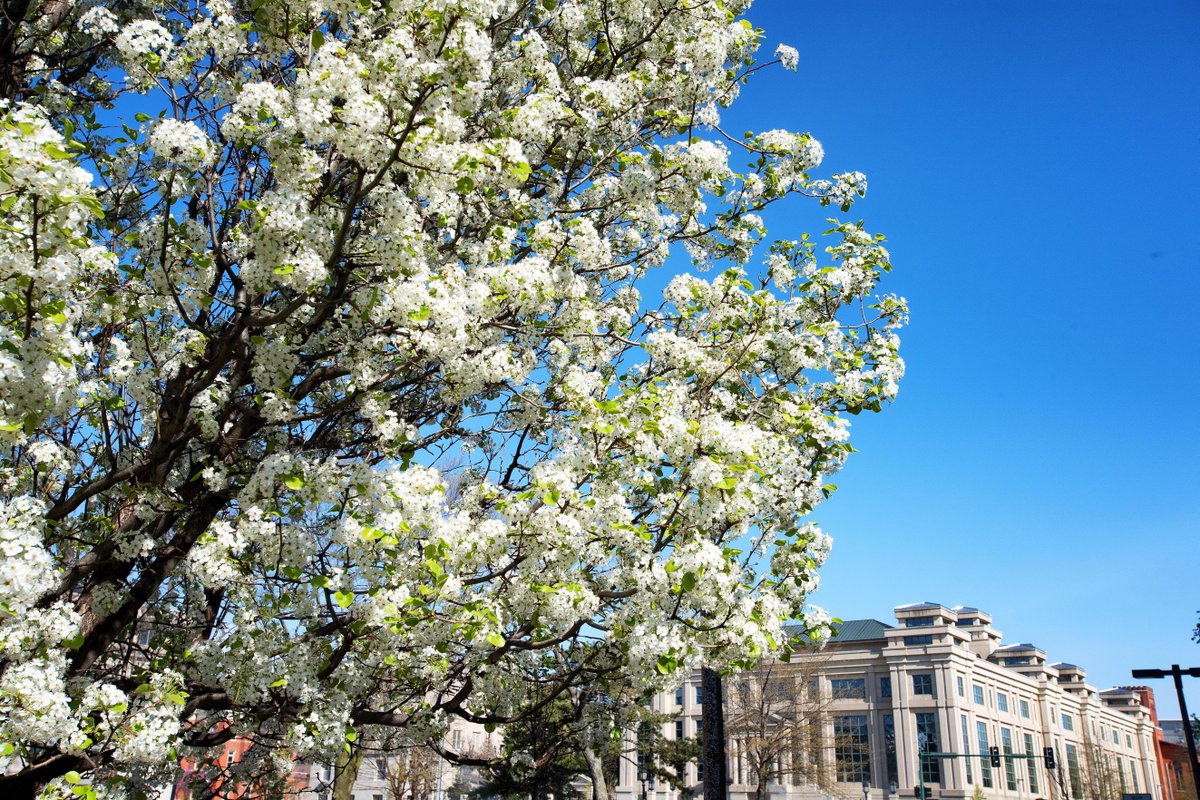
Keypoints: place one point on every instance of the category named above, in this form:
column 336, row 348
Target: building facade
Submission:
column 881, row 698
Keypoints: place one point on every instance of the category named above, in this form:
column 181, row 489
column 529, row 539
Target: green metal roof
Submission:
column 850, row 630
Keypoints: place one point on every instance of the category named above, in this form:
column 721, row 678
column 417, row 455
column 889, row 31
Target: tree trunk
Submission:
column 346, row 772
column 596, row 773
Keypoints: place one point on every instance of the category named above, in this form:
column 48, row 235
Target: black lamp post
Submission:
column 712, row 713
column 1177, row 673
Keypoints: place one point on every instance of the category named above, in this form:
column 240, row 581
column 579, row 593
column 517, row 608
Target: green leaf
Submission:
column 140, row 117
column 319, row 581
column 519, row 171
column 295, row 483
column 92, row 204
column 54, row 151
column 343, row 599
column 465, row 184
column 72, row 777
column 318, row 39
column 419, row 314
column 550, row 498
column 688, row 582
column 286, row 269
column 277, row 683
column 495, row 640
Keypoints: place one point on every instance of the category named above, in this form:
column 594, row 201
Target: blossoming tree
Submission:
column 267, row 266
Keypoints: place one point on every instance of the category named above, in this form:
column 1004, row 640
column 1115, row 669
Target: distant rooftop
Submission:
column 850, row 630
column 857, row 630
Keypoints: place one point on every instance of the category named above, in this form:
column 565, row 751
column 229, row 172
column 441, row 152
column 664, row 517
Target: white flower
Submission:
column 98, row 21
column 787, row 56
column 141, row 40
column 182, row 143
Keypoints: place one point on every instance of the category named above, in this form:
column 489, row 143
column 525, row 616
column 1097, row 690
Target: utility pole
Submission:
column 1177, row 673
column 712, row 716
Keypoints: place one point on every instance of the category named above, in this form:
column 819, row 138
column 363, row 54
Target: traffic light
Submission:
column 994, row 752
column 1048, row 752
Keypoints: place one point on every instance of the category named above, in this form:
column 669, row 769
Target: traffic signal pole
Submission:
column 1177, row 673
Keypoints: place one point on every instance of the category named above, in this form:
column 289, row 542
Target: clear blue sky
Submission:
column 1036, row 168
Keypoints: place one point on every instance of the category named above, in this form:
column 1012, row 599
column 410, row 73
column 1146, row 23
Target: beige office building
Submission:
column 939, row 680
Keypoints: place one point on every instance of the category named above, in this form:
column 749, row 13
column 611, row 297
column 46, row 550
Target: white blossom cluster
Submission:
column 48, row 269
column 331, row 397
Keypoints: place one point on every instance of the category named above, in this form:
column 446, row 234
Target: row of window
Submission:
column 853, row 762
column 852, row 753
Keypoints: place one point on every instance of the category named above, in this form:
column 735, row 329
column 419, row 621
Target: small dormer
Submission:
column 1073, row 679
column 921, row 625
column 924, row 615
column 1124, row 699
column 1023, row 657
column 971, row 617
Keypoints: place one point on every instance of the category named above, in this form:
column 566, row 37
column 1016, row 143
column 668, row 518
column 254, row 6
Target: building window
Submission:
column 963, row 623
column 849, row 688
column 1031, row 763
column 1010, row 766
column 922, row 683
column 1129, row 741
column 912, row 641
column 1077, row 782
column 1116, row 739
column 1133, row 771
column 1001, row 701
column 381, row 768
column 919, row 622
column 679, row 696
column 1073, row 771
column 376, row 797
column 1017, row 661
column 889, row 747
column 927, row 742
column 1067, row 723
column 1121, row 774
column 700, row 741
column 966, row 739
column 678, row 729
column 851, row 750
column 699, row 695
column 959, row 682
column 1024, row 708
column 985, row 766
column 977, row 693
column 885, row 688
